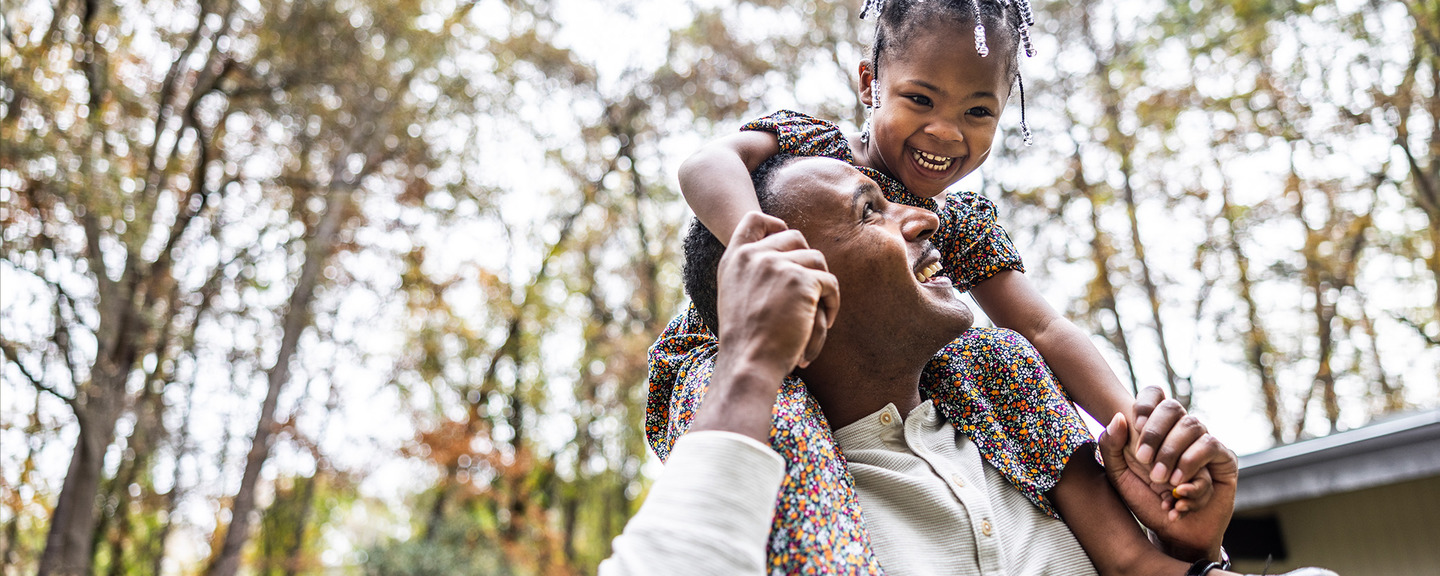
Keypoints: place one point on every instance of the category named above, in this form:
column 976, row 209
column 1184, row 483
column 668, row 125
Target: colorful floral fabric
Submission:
column 991, row 384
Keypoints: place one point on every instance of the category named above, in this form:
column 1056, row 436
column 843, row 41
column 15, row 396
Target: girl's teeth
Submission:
column 932, row 161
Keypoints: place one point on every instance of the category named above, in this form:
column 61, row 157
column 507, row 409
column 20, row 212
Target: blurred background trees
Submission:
column 312, row 286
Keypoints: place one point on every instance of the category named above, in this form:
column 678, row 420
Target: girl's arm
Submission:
column 1011, row 301
column 716, row 180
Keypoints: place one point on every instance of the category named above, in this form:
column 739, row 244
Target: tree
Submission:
column 148, row 221
column 218, row 220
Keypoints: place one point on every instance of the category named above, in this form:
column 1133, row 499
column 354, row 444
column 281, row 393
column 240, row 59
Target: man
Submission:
column 931, row 505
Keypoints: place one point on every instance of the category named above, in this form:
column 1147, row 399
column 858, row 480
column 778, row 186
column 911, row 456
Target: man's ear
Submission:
column 866, row 76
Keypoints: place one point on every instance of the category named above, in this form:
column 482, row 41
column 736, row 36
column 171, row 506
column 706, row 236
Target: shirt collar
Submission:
column 883, row 428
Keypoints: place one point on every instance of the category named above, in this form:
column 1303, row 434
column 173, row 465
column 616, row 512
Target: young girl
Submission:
column 934, row 109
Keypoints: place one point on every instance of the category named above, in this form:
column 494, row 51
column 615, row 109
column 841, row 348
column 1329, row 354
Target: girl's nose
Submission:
column 918, row 224
column 944, row 130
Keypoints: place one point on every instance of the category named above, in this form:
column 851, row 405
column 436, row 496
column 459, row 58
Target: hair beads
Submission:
column 895, row 17
column 872, row 8
column 980, row 47
column 1024, row 128
column 874, row 103
column 1028, row 17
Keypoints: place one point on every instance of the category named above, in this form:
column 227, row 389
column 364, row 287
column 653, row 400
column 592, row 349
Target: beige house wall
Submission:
column 1386, row 531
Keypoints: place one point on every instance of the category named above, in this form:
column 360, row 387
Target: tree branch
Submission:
column 167, row 92
column 10, row 352
column 1419, row 329
column 61, row 336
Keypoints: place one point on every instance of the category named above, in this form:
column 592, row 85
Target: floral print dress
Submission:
column 991, row 384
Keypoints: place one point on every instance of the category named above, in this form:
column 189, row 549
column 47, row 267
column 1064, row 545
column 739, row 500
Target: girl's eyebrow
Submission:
column 927, row 86
column 937, row 89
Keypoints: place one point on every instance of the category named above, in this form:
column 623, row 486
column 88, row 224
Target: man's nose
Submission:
column 918, row 224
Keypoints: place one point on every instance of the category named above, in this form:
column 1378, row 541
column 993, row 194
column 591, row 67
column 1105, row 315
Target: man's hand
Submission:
column 775, row 300
column 1199, row 530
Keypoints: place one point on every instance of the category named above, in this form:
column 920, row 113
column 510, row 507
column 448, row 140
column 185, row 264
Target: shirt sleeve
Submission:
column 973, row 246
column 804, row 135
column 709, row 513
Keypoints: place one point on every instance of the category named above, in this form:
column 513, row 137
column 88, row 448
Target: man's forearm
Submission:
column 741, row 397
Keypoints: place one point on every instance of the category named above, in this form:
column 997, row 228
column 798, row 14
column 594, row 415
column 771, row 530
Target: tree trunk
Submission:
column 1324, row 375
column 100, row 402
column 1100, row 257
column 296, row 320
column 1393, row 396
column 1122, row 145
column 68, row 545
column 1152, row 292
column 1423, row 166
column 1257, row 345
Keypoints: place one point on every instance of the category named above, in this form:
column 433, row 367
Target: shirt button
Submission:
column 957, row 480
column 985, row 527
column 885, row 418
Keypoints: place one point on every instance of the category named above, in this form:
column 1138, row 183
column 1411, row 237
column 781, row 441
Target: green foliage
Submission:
column 289, row 537
column 456, row 548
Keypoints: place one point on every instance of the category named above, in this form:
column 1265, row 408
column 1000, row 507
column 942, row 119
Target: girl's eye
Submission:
column 921, row 100
column 981, row 112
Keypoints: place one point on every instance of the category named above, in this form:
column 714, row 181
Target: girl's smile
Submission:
column 932, row 168
column 938, row 106
column 932, row 162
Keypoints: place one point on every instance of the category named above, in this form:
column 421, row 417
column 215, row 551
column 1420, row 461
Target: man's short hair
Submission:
column 703, row 250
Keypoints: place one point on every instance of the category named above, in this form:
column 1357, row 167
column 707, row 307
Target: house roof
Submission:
column 1405, row 447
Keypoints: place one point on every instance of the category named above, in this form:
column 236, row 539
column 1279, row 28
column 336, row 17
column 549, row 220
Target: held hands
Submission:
column 1174, row 448
column 1184, row 490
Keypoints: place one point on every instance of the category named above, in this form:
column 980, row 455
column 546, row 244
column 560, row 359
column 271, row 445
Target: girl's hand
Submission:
column 1166, row 446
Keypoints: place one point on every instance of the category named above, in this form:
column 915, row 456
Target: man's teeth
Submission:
column 932, row 161
column 927, row 272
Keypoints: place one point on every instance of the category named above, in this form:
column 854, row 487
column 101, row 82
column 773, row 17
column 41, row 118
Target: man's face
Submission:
column 879, row 253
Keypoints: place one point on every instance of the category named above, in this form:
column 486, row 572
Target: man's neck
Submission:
column 850, row 385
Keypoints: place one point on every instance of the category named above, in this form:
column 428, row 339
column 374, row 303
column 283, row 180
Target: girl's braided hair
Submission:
column 897, row 21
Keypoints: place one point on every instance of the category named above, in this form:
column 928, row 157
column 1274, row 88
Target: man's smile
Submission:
column 928, row 272
column 928, row 265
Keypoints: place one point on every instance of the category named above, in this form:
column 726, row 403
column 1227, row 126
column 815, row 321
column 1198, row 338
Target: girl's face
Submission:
column 939, row 106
